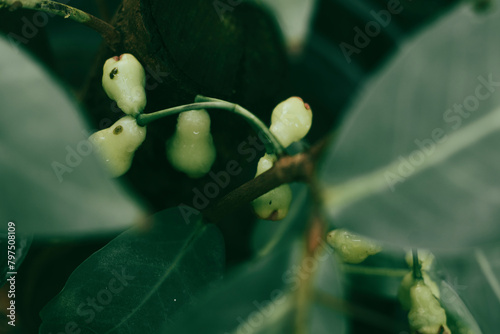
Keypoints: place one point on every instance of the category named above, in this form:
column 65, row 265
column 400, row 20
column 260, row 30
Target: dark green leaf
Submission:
column 140, row 280
column 254, row 297
column 261, row 296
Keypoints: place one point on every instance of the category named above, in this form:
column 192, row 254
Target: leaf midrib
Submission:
column 340, row 196
column 199, row 228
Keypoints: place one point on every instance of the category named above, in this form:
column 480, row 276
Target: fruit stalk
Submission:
column 273, row 144
column 417, row 268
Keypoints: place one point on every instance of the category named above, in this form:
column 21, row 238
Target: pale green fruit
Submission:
column 406, row 284
column 426, row 315
column 273, row 205
column 123, row 80
column 350, row 247
column 118, row 143
column 191, row 149
column 291, row 121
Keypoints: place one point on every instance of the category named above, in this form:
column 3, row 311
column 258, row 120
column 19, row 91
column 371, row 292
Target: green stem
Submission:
column 362, row 270
column 273, row 144
column 107, row 31
column 359, row 312
column 417, row 268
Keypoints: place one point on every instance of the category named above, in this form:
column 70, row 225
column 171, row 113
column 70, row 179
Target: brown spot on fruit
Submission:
column 118, row 130
column 273, row 216
column 113, row 73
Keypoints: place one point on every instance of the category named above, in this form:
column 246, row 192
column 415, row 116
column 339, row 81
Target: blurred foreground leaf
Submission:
column 472, row 288
column 324, row 318
column 416, row 162
column 52, row 184
column 140, row 280
column 459, row 318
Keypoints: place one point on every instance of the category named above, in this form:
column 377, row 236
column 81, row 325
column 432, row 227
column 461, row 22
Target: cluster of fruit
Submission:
column 420, row 296
column 191, row 149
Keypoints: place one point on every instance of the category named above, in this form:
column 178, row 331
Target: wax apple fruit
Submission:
column 273, row 205
column 123, row 80
column 191, row 149
column 118, row 143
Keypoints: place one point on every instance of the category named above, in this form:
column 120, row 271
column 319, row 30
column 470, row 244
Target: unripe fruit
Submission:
column 350, row 247
column 273, row 205
column 123, row 80
column 118, row 143
column 426, row 315
column 406, row 284
column 291, row 120
column 191, row 149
